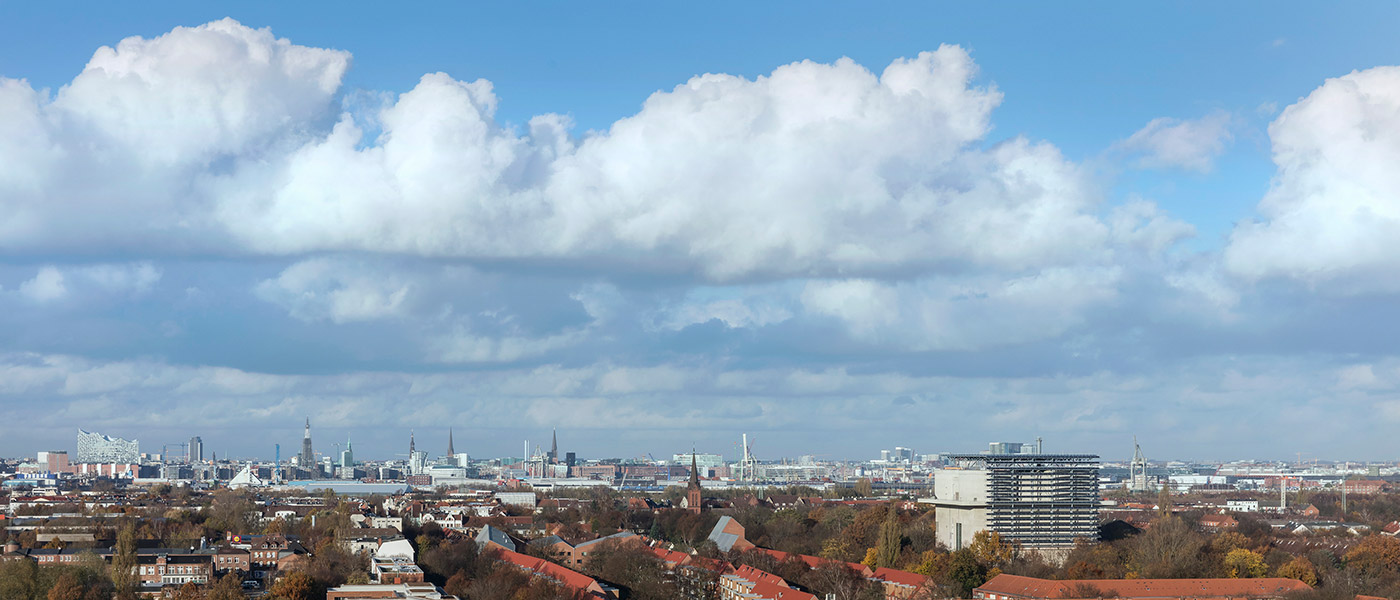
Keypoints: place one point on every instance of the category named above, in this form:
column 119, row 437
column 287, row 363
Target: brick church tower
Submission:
column 693, row 500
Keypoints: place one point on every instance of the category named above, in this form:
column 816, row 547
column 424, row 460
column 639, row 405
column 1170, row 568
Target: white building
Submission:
column 98, row 448
column 1242, row 505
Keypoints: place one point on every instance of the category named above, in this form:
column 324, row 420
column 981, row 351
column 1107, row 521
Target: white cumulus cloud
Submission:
column 1332, row 217
column 1191, row 144
column 341, row 291
column 217, row 139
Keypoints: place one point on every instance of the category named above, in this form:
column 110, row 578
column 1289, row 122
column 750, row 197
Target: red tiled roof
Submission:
column 1030, row 587
column 566, row 577
column 757, row 576
column 813, row 562
column 670, row 557
column 768, row 586
column 900, row 577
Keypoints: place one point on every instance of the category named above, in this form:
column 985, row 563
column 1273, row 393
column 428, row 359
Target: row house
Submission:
column 174, row 569
column 581, row 585
column 1016, row 587
column 748, row 583
column 575, row 555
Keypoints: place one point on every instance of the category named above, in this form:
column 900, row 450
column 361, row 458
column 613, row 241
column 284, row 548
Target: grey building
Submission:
column 196, row 450
column 1042, row 501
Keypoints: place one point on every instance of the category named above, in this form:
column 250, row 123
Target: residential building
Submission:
column 398, row 591
column 395, row 569
column 728, row 534
column 1015, row 587
column 748, row 583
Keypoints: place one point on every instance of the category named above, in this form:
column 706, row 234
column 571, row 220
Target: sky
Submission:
column 835, row 228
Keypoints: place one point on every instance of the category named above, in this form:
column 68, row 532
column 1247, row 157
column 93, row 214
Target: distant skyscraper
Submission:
column 417, row 461
column 196, row 450
column 347, row 456
column 306, row 460
column 98, row 448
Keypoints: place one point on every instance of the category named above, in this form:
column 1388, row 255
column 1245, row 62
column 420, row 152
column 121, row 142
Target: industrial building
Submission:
column 1041, row 501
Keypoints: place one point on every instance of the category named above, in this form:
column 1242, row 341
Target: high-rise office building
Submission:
column 347, row 456
column 196, row 450
column 98, row 448
column 306, row 460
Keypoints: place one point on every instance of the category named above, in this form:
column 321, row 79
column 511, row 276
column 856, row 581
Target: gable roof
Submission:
column 1031, row 587
column 489, row 534
column 565, row 577
column 900, row 578
column 620, row 536
column 728, row 534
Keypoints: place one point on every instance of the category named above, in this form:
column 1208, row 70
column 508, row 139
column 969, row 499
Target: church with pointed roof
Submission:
column 694, row 501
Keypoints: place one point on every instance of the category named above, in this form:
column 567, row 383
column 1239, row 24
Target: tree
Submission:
column 991, row 550
column 124, row 576
column 67, row 587
column 293, row 586
column 863, row 487
column 1376, row 554
column 872, row 557
column 1170, row 549
column 965, row 573
column 1242, row 563
column 836, row 548
column 887, row 554
column 836, row 579
column 1299, row 568
column 457, row 584
column 19, row 579
column 229, row 587
column 1229, row 540
column 189, row 591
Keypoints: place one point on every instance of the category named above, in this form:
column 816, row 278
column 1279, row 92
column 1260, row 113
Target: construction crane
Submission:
column 184, row 450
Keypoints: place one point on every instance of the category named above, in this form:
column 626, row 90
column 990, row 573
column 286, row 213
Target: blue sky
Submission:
column 1080, row 222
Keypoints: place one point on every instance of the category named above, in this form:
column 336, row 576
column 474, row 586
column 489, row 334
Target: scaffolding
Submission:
column 1040, row 500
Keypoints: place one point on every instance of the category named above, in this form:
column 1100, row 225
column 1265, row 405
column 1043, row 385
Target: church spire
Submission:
column 554, row 445
column 694, row 472
column 450, row 453
column 694, row 501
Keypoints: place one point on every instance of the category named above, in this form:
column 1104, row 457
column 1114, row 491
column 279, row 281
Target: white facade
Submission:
column 1242, row 505
column 517, row 498
column 98, row 448
column 961, row 508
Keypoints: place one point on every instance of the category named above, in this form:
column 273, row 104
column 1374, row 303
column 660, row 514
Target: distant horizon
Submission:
column 821, row 457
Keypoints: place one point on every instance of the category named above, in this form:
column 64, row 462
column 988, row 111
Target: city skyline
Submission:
column 832, row 232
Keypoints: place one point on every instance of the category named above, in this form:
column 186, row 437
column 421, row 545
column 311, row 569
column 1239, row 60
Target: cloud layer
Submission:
column 209, row 218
